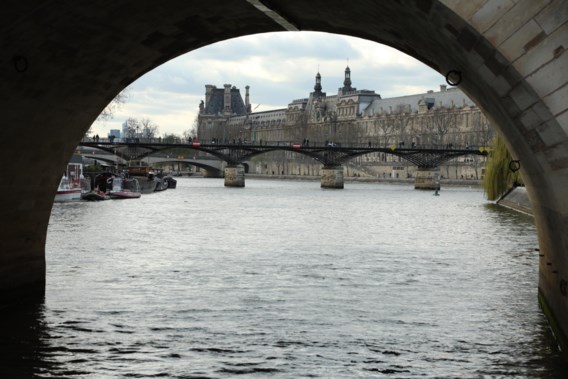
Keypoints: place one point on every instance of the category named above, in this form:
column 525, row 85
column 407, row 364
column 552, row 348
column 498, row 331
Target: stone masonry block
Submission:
column 484, row 48
column 485, row 73
column 557, row 101
column 490, row 13
column 551, row 134
column 523, row 97
column 512, row 76
column 497, row 63
column 542, row 111
column 466, row 9
column 530, row 119
column 545, row 80
column 561, row 181
column 541, row 160
column 563, row 121
column 555, row 15
column 513, row 47
column 510, row 106
column 501, row 85
column 550, row 47
column 558, row 156
column 514, row 19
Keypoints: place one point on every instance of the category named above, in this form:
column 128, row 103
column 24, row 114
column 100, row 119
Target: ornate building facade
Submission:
column 444, row 118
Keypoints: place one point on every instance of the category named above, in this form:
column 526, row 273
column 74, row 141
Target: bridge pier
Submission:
column 427, row 178
column 332, row 177
column 235, row 176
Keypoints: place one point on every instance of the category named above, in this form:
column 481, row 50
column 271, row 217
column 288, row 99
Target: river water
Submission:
column 282, row 279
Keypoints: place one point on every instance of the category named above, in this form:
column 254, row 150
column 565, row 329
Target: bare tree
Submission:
column 482, row 129
column 189, row 134
column 350, row 133
column 132, row 127
column 387, row 125
column 171, row 138
column 299, row 130
column 437, row 123
column 148, row 128
column 114, row 105
column 402, row 120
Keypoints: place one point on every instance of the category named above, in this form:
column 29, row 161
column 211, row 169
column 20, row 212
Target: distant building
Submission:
column 444, row 118
column 115, row 133
column 441, row 118
column 125, row 129
column 221, row 106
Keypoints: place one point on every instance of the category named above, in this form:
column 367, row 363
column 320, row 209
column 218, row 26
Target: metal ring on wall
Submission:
column 454, row 74
column 515, row 165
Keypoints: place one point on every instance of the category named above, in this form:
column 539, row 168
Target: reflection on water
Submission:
column 282, row 279
column 24, row 342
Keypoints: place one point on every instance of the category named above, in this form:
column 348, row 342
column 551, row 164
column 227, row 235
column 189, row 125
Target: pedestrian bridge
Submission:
column 331, row 156
column 64, row 61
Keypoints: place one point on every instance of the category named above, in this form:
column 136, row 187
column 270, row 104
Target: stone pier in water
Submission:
column 427, row 179
column 235, row 176
column 332, row 177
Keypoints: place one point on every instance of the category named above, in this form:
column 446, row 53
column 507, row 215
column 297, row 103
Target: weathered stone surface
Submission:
column 542, row 53
column 544, row 80
column 517, row 199
column 427, row 179
column 514, row 20
column 332, row 177
column 527, row 33
column 235, row 176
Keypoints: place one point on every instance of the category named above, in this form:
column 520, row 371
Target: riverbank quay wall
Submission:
column 285, row 163
column 356, row 179
column 517, row 198
column 58, row 74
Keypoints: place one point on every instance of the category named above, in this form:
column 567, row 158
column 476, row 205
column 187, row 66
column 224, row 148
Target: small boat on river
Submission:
column 70, row 184
column 147, row 180
column 119, row 190
column 94, row 195
column 170, row 181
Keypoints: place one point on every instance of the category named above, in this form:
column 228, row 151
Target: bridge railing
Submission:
column 300, row 144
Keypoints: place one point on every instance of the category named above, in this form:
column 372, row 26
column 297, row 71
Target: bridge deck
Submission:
column 328, row 155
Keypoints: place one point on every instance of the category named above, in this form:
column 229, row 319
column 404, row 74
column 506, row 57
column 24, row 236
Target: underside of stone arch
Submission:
column 63, row 61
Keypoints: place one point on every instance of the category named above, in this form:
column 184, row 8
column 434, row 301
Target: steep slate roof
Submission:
column 445, row 97
column 216, row 102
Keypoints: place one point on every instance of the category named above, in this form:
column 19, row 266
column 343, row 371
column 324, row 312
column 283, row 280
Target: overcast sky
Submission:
column 278, row 67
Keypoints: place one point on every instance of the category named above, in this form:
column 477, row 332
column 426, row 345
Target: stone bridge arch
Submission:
column 212, row 171
column 63, row 61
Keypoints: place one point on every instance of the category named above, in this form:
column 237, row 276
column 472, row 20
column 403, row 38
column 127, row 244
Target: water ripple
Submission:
column 285, row 280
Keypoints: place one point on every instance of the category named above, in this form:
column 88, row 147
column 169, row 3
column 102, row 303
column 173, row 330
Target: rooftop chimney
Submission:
column 227, row 99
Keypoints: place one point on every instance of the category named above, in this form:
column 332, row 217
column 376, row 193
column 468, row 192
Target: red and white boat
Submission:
column 70, row 185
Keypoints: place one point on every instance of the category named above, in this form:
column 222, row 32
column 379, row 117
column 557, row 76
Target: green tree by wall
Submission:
column 498, row 176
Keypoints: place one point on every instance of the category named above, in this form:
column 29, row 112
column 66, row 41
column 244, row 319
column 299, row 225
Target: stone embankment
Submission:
column 516, row 198
column 368, row 179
